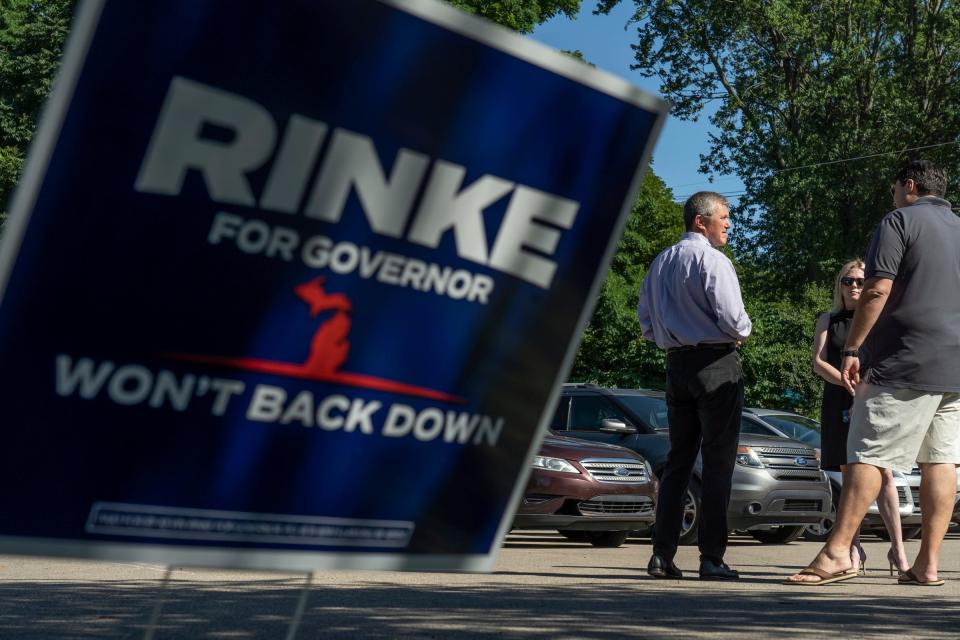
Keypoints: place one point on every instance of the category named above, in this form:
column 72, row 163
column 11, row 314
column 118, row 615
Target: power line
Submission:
column 829, row 162
column 690, row 184
column 872, row 155
column 727, row 194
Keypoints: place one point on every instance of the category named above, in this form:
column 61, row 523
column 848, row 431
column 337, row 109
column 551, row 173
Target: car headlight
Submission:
column 553, row 464
column 746, row 457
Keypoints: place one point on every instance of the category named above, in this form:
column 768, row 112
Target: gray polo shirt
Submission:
column 915, row 343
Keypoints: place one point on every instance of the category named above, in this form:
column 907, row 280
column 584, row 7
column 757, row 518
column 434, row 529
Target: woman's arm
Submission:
column 820, row 365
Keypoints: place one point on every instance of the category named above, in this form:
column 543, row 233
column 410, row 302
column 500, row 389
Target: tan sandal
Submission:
column 908, row 577
column 825, row 577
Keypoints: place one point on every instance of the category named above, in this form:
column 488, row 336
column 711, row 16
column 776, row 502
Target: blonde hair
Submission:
column 856, row 263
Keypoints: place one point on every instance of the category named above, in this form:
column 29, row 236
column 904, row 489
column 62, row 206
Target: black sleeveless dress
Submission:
column 835, row 409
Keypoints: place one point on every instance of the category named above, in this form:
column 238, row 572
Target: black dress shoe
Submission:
column 660, row 568
column 711, row 570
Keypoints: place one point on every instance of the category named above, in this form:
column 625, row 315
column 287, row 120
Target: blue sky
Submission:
column 604, row 42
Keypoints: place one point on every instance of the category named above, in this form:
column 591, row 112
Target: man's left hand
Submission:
column 850, row 373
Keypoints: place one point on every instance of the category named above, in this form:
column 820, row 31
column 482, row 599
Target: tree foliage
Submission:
column 613, row 353
column 777, row 365
column 776, row 359
column 802, row 82
column 519, row 15
column 32, row 33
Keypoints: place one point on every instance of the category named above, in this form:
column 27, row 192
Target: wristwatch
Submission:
column 850, row 353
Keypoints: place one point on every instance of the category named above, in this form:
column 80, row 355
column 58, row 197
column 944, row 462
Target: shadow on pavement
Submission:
column 631, row 607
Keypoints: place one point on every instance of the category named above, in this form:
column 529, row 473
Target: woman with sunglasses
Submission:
column 828, row 341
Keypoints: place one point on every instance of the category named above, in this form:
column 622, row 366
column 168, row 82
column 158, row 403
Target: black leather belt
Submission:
column 717, row 346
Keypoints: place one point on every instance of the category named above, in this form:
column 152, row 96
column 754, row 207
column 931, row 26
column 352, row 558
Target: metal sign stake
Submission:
column 155, row 616
column 301, row 607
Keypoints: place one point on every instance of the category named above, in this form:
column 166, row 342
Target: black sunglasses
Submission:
column 848, row 281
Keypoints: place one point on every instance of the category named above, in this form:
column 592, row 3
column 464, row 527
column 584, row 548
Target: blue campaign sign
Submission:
column 293, row 283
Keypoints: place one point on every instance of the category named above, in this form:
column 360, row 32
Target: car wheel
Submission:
column 779, row 535
column 691, row 514
column 573, row 536
column 911, row 533
column 820, row 531
column 606, row 539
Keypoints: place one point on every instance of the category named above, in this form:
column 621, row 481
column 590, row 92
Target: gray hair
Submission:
column 702, row 203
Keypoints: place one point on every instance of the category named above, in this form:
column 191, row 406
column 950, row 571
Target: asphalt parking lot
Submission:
column 543, row 587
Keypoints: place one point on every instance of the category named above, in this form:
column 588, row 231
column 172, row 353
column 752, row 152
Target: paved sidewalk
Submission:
column 543, row 587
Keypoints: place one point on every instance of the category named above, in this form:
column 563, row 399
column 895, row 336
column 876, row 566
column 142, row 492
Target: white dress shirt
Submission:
column 691, row 296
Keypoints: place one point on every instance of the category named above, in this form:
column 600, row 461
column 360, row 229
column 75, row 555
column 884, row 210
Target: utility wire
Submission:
column 728, row 194
column 691, row 184
column 872, row 155
column 829, row 162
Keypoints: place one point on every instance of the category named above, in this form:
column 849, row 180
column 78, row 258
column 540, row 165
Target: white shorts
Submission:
column 896, row 428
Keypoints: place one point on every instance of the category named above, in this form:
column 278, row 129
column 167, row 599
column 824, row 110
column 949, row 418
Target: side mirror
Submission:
column 615, row 426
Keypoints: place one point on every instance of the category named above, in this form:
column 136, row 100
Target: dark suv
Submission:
column 588, row 491
column 778, row 487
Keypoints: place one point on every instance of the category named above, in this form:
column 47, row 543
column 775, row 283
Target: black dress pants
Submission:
column 704, row 405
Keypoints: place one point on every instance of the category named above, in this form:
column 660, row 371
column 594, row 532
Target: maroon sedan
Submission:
column 588, row 491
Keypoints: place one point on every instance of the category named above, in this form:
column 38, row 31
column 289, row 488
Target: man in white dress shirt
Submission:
column 691, row 306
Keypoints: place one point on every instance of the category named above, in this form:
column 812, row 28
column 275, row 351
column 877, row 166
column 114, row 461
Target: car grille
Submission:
column 786, row 451
column 785, row 463
column 802, row 505
column 611, row 505
column 902, row 495
column 800, row 474
column 914, row 491
column 616, row 470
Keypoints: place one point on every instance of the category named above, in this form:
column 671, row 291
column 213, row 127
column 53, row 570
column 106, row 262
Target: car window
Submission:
column 797, row 427
column 588, row 412
column 559, row 422
column 650, row 410
column 750, row 426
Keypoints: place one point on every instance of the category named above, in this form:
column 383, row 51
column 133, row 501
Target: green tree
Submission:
column 777, row 368
column 32, row 33
column 519, row 15
column 776, row 359
column 612, row 352
column 799, row 83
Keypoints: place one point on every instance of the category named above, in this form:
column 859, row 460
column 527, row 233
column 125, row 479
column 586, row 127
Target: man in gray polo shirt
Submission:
column 905, row 339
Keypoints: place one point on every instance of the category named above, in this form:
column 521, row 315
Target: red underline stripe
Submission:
column 299, row 371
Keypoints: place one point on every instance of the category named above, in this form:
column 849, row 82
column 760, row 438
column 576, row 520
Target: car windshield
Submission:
column 797, row 427
column 651, row 411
